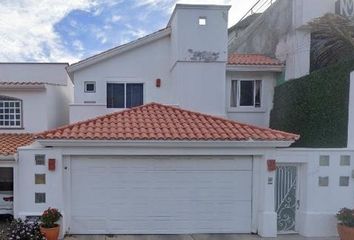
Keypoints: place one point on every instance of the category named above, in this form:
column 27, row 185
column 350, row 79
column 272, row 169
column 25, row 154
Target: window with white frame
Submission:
column 202, row 21
column 246, row 93
column 10, row 112
column 125, row 95
column 90, row 87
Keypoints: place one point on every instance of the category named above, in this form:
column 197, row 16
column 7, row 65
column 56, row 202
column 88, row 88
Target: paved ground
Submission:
column 191, row 237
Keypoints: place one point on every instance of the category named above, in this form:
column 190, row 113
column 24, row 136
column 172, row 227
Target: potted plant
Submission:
column 49, row 227
column 346, row 224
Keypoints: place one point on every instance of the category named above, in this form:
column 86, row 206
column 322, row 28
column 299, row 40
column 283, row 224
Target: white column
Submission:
column 350, row 142
column 267, row 217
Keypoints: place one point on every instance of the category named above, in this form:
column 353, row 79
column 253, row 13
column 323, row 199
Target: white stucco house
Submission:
column 169, row 134
column 34, row 97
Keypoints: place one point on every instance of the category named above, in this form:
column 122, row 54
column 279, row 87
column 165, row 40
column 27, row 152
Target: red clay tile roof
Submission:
column 252, row 59
column 29, row 83
column 21, row 83
column 160, row 122
column 9, row 142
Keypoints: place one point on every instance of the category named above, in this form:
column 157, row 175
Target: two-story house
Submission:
column 157, row 142
column 34, row 97
column 169, row 134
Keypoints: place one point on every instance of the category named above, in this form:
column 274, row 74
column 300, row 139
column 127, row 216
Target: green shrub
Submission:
column 346, row 217
column 315, row 106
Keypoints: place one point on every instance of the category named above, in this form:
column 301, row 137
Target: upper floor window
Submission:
column 202, row 21
column 125, row 95
column 245, row 93
column 10, row 112
column 90, row 87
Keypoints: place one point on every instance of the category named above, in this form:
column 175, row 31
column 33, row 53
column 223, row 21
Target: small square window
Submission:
column 323, row 181
column 39, row 159
column 39, row 178
column 39, row 198
column 202, row 21
column 90, row 87
column 344, row 181
column 345, row 160
column 324, row 161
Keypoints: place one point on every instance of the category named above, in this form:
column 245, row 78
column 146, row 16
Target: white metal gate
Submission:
column 286, row 198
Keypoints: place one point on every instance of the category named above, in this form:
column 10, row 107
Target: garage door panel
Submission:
column 173, row 195
column 92, row 225
column 166, row 163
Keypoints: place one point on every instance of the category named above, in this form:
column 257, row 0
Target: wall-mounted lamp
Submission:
column 51, row 164
column 158, row 82
column 271, row 165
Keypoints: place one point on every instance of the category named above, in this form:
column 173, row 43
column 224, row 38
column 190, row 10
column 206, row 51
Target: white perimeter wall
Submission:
column 319, row 205
column 25, row 187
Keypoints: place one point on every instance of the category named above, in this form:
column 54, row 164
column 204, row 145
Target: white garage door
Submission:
column 170, row 195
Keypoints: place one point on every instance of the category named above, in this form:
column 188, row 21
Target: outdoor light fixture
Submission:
column 51, row 164
column 271, row 165
column 158, row 82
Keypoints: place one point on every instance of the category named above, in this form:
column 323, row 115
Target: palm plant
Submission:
column 332, row 39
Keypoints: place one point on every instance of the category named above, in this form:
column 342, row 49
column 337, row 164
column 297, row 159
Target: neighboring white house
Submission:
column 169, row 134
column 34, row 97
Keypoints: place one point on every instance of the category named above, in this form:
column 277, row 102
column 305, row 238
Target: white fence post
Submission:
column 350, row 143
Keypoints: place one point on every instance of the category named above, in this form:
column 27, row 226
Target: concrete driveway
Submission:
column 191, row 237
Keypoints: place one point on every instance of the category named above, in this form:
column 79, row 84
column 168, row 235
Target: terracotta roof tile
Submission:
column 25, row 84
column 21, row 83
column 252, row 59
column 9, row 142
column 160, row 122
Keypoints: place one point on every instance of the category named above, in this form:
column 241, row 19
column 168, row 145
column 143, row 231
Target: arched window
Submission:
column 10, row 112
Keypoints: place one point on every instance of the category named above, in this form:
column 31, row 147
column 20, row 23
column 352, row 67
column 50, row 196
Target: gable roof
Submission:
column 118, row 50
column 252, row 59
column 9, row 142
column 160, row 122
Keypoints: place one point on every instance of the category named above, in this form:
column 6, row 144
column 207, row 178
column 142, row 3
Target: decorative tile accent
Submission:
column 39, row 178
column 39, row 198
column 323, row 181
column 345, row 160
column 344, row 181
column 40, row 159
column 324, row 160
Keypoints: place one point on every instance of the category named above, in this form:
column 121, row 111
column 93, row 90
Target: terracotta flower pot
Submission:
column 345, row 233
column 50, row 233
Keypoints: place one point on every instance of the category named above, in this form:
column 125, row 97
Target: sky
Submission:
column 70, row 30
